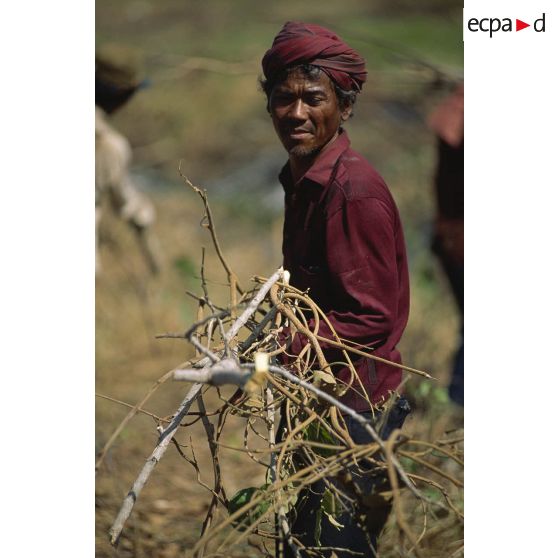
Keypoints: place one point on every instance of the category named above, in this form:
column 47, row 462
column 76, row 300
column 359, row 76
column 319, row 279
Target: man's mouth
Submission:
column 298, row 133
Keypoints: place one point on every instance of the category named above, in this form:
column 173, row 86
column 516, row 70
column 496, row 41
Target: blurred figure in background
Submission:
column 447, row 123
column 117, row 78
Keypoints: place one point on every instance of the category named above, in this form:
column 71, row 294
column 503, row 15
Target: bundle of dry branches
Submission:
column 244, row 345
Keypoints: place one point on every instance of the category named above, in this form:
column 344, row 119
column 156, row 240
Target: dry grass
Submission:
column 132, row 308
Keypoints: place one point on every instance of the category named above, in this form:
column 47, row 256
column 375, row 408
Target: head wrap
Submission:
column 300, row 43
column 118, row 66
column 447, row 120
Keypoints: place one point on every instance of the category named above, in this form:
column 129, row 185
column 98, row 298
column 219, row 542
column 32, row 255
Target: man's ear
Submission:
column 346, row 112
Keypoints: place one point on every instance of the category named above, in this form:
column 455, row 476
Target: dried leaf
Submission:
column 321, row 376
column 255, row 383
column 333, row 521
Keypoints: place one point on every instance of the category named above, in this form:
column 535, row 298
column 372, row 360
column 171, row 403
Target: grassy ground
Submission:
column 216, row 123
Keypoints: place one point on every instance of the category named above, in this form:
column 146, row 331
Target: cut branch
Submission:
column 168, row 434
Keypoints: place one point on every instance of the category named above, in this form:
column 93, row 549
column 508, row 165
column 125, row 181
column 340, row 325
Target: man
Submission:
column 342, row 240
column 117, row 78
column 447, row 122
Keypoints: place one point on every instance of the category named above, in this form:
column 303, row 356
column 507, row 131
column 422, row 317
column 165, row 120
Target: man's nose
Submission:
column 298, row 110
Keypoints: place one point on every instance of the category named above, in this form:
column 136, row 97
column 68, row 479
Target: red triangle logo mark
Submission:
column 519, row 25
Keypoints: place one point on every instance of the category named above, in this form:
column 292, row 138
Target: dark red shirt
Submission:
column 343, row 240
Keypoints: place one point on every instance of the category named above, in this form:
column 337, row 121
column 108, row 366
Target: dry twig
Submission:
column 305, row 389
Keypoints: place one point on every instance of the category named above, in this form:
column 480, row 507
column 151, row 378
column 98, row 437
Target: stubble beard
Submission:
column 302, row 152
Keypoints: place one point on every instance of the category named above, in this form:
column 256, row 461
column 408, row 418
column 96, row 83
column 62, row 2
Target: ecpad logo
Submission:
column 494, row 24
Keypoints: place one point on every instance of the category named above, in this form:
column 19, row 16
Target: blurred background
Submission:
column 203, row 110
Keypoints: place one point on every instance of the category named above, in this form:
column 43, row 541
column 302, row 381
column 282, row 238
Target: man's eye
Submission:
column 281, row 99
column 314, row 101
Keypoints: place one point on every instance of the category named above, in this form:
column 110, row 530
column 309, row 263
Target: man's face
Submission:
column 306, row 113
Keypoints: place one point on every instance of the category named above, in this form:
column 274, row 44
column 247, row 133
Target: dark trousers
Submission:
column 455, row 273
column 362, row 522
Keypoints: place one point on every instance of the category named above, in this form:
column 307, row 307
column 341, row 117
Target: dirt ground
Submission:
column 131, row 310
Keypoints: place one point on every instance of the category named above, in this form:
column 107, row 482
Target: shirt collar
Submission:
column 321, row 170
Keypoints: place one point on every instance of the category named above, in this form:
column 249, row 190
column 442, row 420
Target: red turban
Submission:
column 306, row 43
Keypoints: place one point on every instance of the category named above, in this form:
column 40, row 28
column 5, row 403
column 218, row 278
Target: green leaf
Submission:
column 441, row 395
column 329, row 504
column 316, row 432
column 328, row 507
column 252, row 514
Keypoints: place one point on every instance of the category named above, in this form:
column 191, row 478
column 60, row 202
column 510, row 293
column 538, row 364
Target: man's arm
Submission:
column 363, row 271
